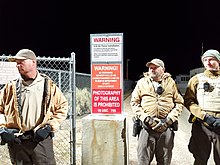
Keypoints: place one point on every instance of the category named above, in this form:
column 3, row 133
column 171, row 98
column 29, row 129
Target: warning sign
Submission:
column 106, row 76
column 106, row 47
column 106, row 101
column 106, row 73
column 8, row 72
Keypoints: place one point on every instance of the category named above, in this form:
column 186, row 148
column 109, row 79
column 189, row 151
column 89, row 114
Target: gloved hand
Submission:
column 42, row 133
column 150, row 122
column 162, row 125
column 8, row 135
column 212, row 121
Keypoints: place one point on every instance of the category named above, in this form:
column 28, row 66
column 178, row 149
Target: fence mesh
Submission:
column 61, row 71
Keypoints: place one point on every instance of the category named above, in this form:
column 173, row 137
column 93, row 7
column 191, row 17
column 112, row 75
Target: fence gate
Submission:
column 62, row 71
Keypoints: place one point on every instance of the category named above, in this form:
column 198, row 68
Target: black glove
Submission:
column 42, row 133
column 162, row 125
column 212, row 121
column 150, row 122
column 8, row 135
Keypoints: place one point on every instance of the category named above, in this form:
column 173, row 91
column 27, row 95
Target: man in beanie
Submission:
column 202, row 99
column 158, row 104
column 32, row 108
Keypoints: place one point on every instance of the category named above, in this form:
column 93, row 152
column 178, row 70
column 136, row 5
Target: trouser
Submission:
column 200, row 144
column 152, row 143
column 29, row 152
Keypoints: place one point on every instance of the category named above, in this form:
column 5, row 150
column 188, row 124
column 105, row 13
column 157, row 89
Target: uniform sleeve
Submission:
column 190, row 100
column 178, row 104
column 2, row 107
column 60, row 109
column 2, row 115
column 136, row 102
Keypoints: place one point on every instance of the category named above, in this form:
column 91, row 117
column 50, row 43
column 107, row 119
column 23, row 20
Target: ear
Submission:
column 34, row 62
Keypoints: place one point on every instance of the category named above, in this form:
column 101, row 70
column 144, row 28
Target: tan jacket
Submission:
column 55, row 107
column 146, row 102
column 190, row 97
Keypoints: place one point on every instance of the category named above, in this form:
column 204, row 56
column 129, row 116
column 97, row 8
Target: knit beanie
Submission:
column 211, row 53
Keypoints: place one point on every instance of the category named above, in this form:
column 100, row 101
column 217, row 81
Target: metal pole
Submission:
column 59, row 73
column 73, row 113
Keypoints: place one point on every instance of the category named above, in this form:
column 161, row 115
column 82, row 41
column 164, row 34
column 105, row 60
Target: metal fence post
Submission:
column 73, row 113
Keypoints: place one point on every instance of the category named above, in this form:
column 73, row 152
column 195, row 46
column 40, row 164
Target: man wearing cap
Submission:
column 156, row 101
column 32, row 108
column 202, row 99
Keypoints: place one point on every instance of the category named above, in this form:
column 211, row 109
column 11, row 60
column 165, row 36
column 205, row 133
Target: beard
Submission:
column 155, row 75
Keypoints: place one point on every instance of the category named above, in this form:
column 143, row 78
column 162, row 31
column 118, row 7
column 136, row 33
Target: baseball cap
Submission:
column 23, row 54
column 211, row 53
column 157, row 62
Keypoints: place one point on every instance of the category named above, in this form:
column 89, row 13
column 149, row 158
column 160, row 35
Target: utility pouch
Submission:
column 137, row 126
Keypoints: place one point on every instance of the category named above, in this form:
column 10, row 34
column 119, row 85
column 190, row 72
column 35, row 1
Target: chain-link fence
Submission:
column 62, row 71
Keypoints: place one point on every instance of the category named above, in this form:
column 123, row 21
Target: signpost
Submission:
column 104, row 132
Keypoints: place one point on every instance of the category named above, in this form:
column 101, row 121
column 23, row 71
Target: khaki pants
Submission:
column 152, row 143
column 29, row 152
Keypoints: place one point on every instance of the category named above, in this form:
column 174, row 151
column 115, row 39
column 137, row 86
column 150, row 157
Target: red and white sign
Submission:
column 106, row 47
column 107, row 101
column 106, row 73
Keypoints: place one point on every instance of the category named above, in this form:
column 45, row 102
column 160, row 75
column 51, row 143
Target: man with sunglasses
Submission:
column 157, row 103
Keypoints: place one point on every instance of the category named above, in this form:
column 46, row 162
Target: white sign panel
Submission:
column 106, row 47
column 8, row 71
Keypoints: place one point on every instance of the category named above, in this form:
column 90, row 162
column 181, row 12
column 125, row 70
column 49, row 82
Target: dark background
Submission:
column 173, row 31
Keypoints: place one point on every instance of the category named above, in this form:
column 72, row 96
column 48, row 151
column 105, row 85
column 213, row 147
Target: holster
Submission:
column 137, row 126
column 175, row 125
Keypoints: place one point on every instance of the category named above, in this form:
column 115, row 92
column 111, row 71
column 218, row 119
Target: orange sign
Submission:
column 106, row 76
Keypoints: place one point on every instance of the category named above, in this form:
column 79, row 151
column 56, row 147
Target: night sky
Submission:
column 170, row 30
